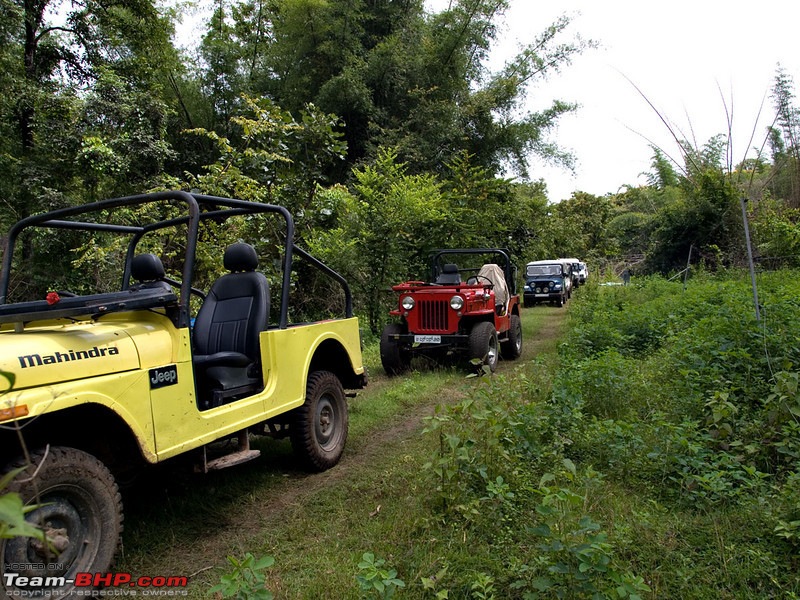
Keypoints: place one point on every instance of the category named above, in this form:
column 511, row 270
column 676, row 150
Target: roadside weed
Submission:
column 377, row 580
column 246, row 580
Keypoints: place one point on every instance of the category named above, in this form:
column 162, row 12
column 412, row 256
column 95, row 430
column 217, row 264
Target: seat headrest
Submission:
column 240, row 257
column 450, row 268
column 147, row 267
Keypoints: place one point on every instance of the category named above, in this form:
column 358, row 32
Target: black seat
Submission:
column 148, row 271
column 449, row 275
column 226, row 330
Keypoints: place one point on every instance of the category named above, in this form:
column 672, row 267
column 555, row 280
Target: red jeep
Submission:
column 470, row 310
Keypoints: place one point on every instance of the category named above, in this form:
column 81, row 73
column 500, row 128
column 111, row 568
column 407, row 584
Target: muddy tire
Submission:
column 81, row 512
column 512, row 347
column 319, row 427
column 483, row 344
column 395, row 359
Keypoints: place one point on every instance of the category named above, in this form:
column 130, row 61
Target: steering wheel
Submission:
column 476, row 279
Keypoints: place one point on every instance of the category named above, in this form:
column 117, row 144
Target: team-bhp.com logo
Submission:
column 93, row 584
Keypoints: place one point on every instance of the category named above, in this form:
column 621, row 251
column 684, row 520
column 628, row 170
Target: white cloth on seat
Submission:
column 495, row 274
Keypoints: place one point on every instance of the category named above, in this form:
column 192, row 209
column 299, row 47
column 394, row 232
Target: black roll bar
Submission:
column 198, row 207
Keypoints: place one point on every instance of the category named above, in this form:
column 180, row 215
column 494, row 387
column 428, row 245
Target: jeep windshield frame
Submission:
column 198, row 207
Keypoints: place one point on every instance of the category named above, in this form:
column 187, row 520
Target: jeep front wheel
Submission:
column 512, row 347
column 483, row 344
column 80, row 511
column 319, row 428
column 394, row 358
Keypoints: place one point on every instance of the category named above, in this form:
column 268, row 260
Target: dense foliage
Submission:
column 667, row 450
column 295, row 102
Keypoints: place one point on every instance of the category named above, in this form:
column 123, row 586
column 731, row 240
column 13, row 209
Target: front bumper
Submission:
column 532, row 297
column 431, row 341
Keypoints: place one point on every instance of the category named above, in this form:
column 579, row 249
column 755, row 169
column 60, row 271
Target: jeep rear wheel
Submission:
column 483, row 344
column 394, row 358
column 81, row 513
column 319, row 428
column 512, row 347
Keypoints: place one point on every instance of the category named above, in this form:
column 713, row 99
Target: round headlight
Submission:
column 408, row 302
column 456, row 302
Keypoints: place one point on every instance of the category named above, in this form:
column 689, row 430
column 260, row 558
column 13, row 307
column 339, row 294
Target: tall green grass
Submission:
column 689, row 404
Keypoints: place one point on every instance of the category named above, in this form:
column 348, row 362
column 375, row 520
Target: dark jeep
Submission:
column 546, row 281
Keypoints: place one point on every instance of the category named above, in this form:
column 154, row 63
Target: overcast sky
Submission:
column 690, row 58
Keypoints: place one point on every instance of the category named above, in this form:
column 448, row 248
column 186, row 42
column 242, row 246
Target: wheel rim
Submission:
column 326, row 424
column 70, row 521
column 491, row 351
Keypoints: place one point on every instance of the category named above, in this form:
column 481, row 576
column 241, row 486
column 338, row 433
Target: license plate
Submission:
column 542, row 295
column 427, row 339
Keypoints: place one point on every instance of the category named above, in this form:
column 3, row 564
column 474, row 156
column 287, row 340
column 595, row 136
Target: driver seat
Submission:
column 449, row 275
column 226, row 331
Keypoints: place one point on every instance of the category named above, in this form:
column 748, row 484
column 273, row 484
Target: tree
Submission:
column 383, row 232
column 776, row 231
column 785, row 139
column 123, row 146
column 583, row 220
column 271, row 157
column 50, row 58
column 702, row 222
column 663, row 174
column 222, row 79
column 474, row 199
column 398, row 77
column 688, row 215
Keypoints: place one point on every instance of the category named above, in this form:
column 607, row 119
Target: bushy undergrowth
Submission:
column 663, row 463
column 501, row 473
column 685, row 397
column 718, row 382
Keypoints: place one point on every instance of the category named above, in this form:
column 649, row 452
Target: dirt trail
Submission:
column 262, row 508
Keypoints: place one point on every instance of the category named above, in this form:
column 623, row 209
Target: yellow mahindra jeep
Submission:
column 154, row 358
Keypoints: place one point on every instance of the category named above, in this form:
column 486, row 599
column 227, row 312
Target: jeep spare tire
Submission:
column 80, row 510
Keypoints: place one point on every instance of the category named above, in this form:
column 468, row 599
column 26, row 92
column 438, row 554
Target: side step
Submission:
column 242, row 454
